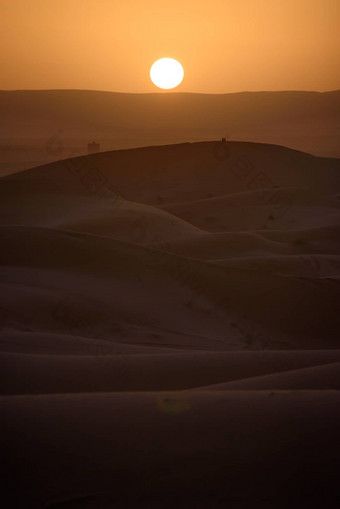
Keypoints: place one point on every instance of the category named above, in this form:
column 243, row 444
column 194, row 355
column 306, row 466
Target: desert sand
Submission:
column 39, row 126
column 170, row 329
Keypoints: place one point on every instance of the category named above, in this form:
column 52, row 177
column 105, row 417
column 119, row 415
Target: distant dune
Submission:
column 38, row 126
column 170, row 334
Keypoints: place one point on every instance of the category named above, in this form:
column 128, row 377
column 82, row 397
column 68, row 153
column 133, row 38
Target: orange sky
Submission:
column 223, row 45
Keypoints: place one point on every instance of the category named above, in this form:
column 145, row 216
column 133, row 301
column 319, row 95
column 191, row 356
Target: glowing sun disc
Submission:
column 166, row 73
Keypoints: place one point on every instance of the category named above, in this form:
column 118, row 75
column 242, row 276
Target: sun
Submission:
column 166, row 73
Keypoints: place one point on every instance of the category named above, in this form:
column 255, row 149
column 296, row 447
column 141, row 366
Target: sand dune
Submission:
column 119, row 219
column 322, row 241
column 43, row 374
column 129, row 221
column 35, row 342
column 43, row 125
column 326, row 376
column 279, row 208
column 169, row 320
column 142, row 446
column 208, row 301
column 314, row 265
column 185, row 172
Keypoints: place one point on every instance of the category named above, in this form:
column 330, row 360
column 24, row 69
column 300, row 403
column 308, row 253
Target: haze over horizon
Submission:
column 225, row 47
column 178, row 92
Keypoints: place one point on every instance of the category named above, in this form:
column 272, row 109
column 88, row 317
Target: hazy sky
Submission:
column 223, row 45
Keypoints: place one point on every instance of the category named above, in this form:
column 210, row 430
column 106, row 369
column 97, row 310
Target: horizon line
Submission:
column 170, row 93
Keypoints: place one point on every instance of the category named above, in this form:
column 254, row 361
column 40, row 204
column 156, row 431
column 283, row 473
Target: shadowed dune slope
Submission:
column 41, row 374
column 326, row 376
column 176, row 173
column 117, row 218
column 169, row 329
column 213, row 299
column 142, row 446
